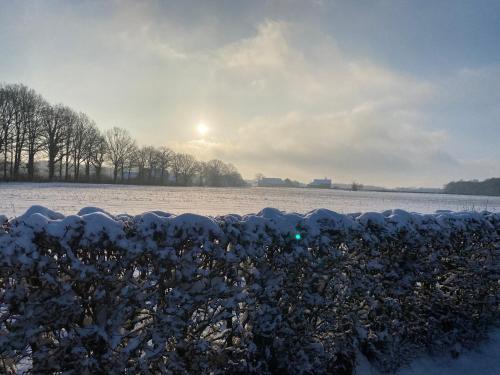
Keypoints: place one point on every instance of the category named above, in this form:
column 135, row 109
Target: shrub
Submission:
column 269, row 293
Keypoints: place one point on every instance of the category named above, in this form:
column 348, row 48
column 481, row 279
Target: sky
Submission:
column 387, row 93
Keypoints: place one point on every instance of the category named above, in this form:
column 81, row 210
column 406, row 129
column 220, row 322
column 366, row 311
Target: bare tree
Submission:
column 99, row 154
column 24, row 100
column 34, row 140
column 53, row 134
column 7, row 113
column 19, row 118
column 141, row 158
column 184, row 168
column 80, row 129
column 151, row 162
column 119, row 143
column 218, row 173
column 70, row 122
column 165, row 158
column 132, row 160
column 89, row 145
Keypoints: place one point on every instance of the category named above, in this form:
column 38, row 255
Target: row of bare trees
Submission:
column 42, row 141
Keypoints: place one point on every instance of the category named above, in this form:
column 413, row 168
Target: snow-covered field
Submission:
column 15, row 198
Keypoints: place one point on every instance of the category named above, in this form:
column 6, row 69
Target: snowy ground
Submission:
column 485, row 360
column 15, row 198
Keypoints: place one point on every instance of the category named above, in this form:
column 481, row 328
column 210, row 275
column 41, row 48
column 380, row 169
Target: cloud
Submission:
column 268, row 49
column 324, row 113
column 345, row 146
column 283, row 95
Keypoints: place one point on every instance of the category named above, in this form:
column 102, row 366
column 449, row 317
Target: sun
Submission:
column 202, row 128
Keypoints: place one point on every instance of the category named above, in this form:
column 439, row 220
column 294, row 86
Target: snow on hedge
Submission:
column 265, row 293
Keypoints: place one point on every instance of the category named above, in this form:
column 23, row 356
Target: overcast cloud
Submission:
column 382, row 93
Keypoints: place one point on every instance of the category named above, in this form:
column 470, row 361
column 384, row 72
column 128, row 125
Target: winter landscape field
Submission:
column 15, row 198
column 266, row 187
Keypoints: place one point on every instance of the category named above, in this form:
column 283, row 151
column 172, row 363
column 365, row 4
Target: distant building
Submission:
column 270, row 182
column 323, row 183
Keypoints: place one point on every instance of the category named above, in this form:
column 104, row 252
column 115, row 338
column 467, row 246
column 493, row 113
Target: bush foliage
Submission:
column 269, row 293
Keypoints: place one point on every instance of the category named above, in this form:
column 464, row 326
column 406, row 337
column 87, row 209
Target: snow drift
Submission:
column 265, row 293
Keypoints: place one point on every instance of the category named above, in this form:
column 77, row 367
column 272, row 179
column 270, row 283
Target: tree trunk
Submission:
column 31, row 165
column 5, row 159
column 52, row 167
column 77, row 171
column 87, row 171
column 66, row 173
column 98, row 173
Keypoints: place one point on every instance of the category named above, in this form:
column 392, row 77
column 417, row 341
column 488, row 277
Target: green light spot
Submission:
column 298, row 236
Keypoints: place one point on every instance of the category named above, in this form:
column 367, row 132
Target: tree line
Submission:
column 34, row 132
column 490, row 186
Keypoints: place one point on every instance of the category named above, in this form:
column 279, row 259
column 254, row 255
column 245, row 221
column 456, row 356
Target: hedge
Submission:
column 271, row 293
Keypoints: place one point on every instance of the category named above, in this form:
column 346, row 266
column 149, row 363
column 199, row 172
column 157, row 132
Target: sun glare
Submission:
column 202, row 129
